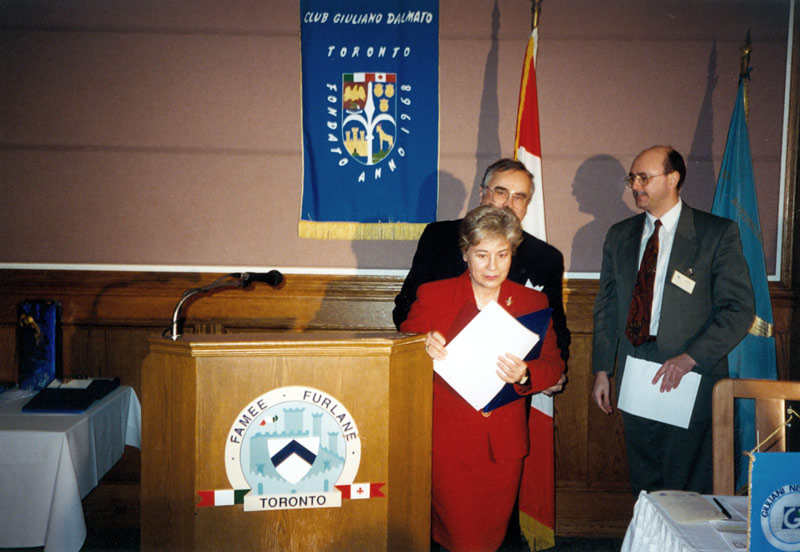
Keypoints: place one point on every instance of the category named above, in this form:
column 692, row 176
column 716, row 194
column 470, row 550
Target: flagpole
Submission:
column 536, row 6
column 744, row 73
column 537, row 486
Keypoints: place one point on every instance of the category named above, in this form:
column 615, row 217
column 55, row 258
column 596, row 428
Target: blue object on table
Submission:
column 38, row 343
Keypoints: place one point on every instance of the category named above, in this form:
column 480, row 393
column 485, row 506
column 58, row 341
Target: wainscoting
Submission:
column 108, row 316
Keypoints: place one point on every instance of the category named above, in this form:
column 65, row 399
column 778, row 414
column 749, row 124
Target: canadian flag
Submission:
column 537, row 489
column 527, row 145
column 361, row 490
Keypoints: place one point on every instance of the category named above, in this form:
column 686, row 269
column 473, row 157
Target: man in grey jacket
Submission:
column 701, row 306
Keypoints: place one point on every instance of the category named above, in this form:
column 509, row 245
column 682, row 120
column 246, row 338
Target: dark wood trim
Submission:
column 109, row 316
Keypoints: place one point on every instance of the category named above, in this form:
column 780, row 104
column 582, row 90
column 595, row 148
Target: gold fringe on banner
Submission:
column 761, row 328
column 360, row 231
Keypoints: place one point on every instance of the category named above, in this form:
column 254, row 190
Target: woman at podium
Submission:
column 478, row 455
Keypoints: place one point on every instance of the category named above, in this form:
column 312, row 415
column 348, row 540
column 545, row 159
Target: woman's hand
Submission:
column 434, row 345
column 557, row 387
column 511, row 368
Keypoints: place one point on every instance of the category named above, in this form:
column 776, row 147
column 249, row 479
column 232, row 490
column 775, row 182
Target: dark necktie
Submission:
column 638, row 327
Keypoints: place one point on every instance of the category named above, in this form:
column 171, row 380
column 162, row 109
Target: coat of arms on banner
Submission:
column 368, row 115
column 293, row 447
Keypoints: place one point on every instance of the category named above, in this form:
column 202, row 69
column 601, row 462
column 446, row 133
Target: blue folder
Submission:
column 537, row 322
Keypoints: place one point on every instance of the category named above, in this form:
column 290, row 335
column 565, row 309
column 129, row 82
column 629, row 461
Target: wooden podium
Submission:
column 196, row 392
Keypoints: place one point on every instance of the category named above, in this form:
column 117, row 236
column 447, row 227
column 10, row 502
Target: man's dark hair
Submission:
column 504, row 165
column 674, row 162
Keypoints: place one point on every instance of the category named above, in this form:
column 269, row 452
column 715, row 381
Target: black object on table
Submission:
column 69, row 399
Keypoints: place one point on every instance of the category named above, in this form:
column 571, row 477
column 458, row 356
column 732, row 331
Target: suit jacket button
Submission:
column 486, row 414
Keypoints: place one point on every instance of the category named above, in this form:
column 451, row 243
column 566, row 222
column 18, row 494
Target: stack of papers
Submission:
column 687, row 507
column 471, row 364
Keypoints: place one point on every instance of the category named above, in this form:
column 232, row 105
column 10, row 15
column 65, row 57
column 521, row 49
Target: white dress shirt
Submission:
column 666, row 235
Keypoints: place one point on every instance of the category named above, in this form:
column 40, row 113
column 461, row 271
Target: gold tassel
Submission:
column 360, row 231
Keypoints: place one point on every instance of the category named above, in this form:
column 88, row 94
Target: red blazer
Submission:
column 459, row 430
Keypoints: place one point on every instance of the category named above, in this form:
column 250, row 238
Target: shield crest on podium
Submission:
column 293, row 457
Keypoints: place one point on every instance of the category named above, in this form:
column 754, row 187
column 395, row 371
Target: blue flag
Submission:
column 735, row 199
column 370, row 118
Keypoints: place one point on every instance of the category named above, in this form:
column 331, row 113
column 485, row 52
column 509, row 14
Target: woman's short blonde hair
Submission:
column 489, row 221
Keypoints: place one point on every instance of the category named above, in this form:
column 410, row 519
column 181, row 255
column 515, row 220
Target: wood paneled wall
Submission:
column 107, row 317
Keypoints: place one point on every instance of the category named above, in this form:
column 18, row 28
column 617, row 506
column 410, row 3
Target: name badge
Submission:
column 683, row 282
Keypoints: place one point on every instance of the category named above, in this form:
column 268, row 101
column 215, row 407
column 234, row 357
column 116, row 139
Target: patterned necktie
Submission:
column 638, row 327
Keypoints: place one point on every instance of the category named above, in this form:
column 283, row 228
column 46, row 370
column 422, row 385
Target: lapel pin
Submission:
column 691, row 272
column 508, row 302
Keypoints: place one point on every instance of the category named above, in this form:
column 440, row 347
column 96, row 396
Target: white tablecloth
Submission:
column 653, row 530
column 49, row 462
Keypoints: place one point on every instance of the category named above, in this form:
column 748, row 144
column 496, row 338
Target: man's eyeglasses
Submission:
column 501, row 195
column 642, row 178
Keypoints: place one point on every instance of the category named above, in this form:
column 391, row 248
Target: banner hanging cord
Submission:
column 791, row 414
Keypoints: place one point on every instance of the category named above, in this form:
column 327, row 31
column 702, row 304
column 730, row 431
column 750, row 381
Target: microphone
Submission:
column 273, row 278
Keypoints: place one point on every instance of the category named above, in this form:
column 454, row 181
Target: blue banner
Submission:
column 370, row 118
column 775, row 501
column 735, row 198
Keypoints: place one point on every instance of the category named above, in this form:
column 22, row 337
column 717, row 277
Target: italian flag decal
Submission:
column 222, row 497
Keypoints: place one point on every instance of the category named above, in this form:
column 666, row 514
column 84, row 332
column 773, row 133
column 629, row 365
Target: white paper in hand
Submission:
column 471, row 364
column 637, row 395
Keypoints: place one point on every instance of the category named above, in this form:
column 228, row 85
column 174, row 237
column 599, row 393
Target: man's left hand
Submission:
column 673, row 371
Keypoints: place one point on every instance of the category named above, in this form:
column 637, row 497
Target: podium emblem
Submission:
column 293, row 458
column 291, row 448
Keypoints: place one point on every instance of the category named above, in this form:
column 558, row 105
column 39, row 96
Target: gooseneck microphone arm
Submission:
column 235, row 279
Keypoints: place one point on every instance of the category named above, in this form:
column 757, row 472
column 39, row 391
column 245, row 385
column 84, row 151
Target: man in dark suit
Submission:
column 701, row 306
column 506, row 183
